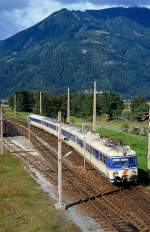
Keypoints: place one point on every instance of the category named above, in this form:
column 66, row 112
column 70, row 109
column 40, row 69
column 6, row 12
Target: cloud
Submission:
column 111, row 2
column 15, row 4
column 23, row 14
column 16, row 15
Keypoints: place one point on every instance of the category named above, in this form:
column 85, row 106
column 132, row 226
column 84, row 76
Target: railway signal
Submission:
column 68, row 107
column 94, row 108
column 1, row 125
column 148, row 156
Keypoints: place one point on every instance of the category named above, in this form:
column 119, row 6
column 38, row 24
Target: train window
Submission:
column 106, row 160
column 100, row 156
column 80, row 142
column 132, row 161
column 116, row 162
column 89, row 149
column 96, row 153
column 124, row 162
column 74, row 138
column 135, row 160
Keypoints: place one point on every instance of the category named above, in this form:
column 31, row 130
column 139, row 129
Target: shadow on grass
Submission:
column 143, row 177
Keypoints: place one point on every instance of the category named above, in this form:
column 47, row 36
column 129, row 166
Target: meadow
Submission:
column 24, row 207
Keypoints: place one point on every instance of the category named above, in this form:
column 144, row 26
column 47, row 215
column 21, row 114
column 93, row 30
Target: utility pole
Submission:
column 59, row 204
column 15, row 105
column 84, row 153
column 94, row 108
column 68, row 107
column 40, row 103
column 1, row 124
column 29, row 132
column 148, row 156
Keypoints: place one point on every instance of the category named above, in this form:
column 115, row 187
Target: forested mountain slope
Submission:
column 74, row 48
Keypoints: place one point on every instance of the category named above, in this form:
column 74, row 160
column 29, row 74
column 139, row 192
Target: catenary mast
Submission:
column 94, row 108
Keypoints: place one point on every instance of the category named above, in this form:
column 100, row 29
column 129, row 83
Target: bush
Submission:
column 125, row 127
column 136, row 130
column 139, row 108
column 144, row 132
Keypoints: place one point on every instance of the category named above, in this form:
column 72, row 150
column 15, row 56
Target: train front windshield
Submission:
column 124, row 162
column 129, row 162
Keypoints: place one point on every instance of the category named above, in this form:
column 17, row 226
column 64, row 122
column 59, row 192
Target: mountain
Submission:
column 74, row 48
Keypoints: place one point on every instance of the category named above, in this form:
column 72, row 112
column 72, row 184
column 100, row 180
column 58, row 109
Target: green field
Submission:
column 24, row 207
column 8, row 112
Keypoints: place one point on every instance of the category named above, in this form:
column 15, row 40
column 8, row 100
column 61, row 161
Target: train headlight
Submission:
column 115, row 173
column 134, row 171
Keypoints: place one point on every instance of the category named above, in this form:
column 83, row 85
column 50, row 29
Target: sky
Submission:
column 17, row 15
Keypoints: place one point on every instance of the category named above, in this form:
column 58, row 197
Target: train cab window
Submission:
column 124, row 162
column 135, row 160
column 116, row 162
column 106, row 160
column 132, row 161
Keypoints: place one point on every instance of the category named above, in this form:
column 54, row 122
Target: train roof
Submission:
column 36, row 116
column 101, row 144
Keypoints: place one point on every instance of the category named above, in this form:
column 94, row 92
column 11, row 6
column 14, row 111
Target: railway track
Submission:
column 123, row 210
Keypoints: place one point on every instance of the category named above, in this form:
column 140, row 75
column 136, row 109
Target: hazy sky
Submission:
column 16, row 15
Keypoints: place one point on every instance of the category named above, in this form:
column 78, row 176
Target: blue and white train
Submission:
column 117, row 163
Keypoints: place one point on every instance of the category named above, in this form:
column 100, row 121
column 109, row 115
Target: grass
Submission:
column 24, row 207
column 8, row 112
column 115, row 130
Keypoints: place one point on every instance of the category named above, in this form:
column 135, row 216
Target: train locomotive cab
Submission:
column 124, row 169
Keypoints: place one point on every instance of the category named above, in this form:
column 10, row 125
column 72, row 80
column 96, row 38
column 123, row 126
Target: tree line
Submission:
column 109, row 104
